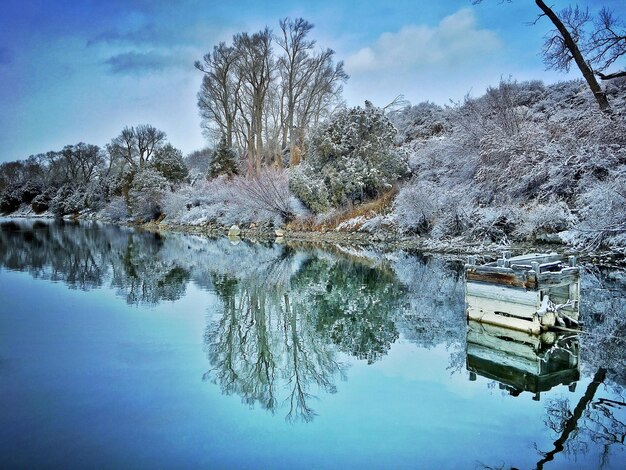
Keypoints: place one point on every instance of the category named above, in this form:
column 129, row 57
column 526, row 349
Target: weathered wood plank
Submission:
column 532, row 327
column 564, row 277
column 502, row 359
column 502, row 276
column 503, row 345
column 494, row 305
column 506, row 294
column 537, row 257
column 513, row 335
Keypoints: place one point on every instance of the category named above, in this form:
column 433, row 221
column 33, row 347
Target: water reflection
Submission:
column 292, row 320
column 521, row 362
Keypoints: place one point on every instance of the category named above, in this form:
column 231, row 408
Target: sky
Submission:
column 81, row 70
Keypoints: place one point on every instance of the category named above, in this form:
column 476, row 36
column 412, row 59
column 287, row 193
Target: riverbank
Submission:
column 385, row 241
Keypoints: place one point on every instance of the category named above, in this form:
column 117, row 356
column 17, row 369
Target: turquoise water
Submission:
column 125, row 349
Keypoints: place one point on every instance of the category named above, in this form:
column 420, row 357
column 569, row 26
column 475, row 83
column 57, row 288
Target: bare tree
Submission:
column 570, row 40
column 217, row 98
column 268, row 191
column 296, row 68
column 310, row 81
column 149, row 139
column 562, row 46
column 136, row 145
column 254, row 66
column 607, row 44
column 264, row 102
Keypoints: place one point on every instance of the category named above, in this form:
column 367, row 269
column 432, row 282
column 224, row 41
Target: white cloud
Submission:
column 456, row 39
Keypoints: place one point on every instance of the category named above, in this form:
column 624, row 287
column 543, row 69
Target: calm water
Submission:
column 126, row 349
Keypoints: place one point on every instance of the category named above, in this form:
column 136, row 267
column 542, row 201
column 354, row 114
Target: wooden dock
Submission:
column 529, row 293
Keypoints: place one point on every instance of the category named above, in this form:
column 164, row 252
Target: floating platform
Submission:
column 529, row 293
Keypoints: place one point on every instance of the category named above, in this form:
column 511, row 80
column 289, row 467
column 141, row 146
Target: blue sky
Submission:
column 74, row 71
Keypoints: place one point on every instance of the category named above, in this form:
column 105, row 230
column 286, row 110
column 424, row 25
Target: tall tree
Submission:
column 561, row 48
column 255, row 68
column 136, row 145
column 308, row 80
column 217, row 98
column 264, row 102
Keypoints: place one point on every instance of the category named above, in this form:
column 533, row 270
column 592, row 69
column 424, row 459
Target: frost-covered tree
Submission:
column 223, row 161
column 146, row 193
column 424, row 120
column 593, row 44
column 168, row 161
column 353, row 157
column 265, row 99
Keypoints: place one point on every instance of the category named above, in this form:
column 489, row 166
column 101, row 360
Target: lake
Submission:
column 128, row 349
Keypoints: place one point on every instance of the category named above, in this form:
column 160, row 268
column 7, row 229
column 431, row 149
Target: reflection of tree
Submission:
column 352, row 304
column 594, row 421
column 88, row 255
column 141, row 275
column 602, row 310
column 434, row 304
column 261, row 344
column 63, row 251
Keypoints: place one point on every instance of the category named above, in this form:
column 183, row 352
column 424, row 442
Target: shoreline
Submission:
column 384, row 241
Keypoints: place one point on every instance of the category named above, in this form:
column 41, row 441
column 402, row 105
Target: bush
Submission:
column 116, row 210
column 41, row 203
column 603, row 214
column 145, row 194
column 552, row 217
column 67, row 200
column 10, row 201
column 267, row 193
column 352, row 157
column 223, row 161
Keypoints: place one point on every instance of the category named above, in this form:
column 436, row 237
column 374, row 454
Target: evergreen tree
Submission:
column 224, row 161
column 168, row 161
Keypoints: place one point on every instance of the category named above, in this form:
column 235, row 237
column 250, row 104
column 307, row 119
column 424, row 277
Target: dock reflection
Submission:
column 522, row 362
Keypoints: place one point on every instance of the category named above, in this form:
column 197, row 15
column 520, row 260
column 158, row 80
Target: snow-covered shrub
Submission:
column 41, row 203
column 416, row 205
column 421, row 121
column 175, row 204
column 266, row 193
column 555, row 216
column 494, row 223
column 10, row 200
column 168, row 161
column 423, row 208
column 116, row 210
column 223, row 160
column 603, row 213
column 310, row 189
column 97, row 193
column 198, row 162
column 353, row 156
column 145, row 194
column 67, row 200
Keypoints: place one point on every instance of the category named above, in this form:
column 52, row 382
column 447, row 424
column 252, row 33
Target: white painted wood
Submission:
column 506, row 294
column 494, row 305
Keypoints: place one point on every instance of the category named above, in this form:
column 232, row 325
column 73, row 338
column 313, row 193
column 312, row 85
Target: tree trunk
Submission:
column 571, row 45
